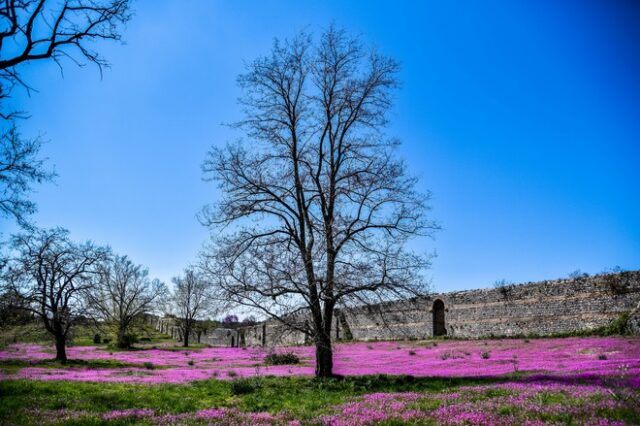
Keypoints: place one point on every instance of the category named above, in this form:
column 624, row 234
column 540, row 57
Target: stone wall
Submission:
column 231, row 337
column 540, row 309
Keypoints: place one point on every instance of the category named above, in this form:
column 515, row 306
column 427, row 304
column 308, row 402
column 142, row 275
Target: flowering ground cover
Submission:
column 592, row 380
column 590, row 358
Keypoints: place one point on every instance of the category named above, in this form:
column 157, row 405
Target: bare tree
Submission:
column 191, row 302
column 32, row 30
column 20, row 168
column 316, row 210
column 123, row 293
column 35, row 30
column 50, row 272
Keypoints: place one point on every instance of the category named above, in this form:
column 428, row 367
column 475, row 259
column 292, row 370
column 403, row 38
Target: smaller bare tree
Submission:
column 123, row 293
column 191, row 302
column 50, row 272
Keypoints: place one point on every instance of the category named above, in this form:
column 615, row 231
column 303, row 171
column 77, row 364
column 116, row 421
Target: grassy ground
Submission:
column 82, row 336
column 302, row 398
column 510, row 398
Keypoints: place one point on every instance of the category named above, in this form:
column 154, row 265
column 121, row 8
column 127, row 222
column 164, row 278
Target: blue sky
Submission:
column 522, row 118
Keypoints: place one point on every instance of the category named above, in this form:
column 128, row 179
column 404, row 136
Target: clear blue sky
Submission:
column 523, row 118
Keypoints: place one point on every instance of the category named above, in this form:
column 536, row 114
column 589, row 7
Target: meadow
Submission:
column 578, row 380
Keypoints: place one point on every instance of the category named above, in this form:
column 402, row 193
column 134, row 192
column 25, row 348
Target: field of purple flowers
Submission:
column 593, row 380
column 589, row 358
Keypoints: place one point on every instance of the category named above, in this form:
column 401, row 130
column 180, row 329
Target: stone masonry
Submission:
column 532, row 309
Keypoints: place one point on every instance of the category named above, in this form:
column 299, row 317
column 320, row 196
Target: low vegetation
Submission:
column 555, row 381
column 286, row 358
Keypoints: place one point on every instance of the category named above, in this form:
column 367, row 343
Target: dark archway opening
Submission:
column 233, row 342
column 439, row 328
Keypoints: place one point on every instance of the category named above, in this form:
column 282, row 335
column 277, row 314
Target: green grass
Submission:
column 13, row 365
column 305, row 398
column 82, row 335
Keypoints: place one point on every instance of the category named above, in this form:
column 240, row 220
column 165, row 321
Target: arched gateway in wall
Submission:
column 439, row 328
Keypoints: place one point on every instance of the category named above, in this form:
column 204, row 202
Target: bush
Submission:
column 412, row 353
column 106, row 340
column 602, row 357
column 190, row 362
column 149, row 366
column 244, row 386
column 97, row 339
column 127, row 341
column 485, row 355
column 282, row 359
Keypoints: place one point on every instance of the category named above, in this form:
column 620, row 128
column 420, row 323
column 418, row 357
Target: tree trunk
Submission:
column 185, row 338
column 121, row 343
column 324, row 356
column 61, row 350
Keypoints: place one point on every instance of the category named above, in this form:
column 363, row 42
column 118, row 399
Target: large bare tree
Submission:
column 316, row 208
column 123, row 293
column 32, row 30
column 191, row 302
column 51, row 272
column 40, row 30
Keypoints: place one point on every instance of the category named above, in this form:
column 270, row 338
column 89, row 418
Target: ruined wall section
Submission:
column 542, row 308
column 532, row 309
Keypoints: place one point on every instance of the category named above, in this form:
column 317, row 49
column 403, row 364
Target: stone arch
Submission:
column 439, row 326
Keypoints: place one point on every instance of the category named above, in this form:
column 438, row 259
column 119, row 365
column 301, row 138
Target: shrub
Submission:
column 190, row 362
column 602, row 357
column 412, row 353
column 149, row 365
column 485, row 355
column 445, row 355
column 106, row 340
column 127, row 341
column 244, row 386
column 97, row 339
column 281, row 359
column 232, row 373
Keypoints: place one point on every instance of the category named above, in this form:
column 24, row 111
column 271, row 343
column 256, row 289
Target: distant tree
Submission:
column 504, row 286
column 50, row 273
column 122, row 295
column 316, row 209
column 14, row 309
column 613, row 270
column 230, row 319
column 502, row 283
column 250, row 320
column 578, row 274
column 191, row 300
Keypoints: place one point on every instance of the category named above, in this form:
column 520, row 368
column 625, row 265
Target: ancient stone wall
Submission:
column 532, row 309
column 535, row 309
